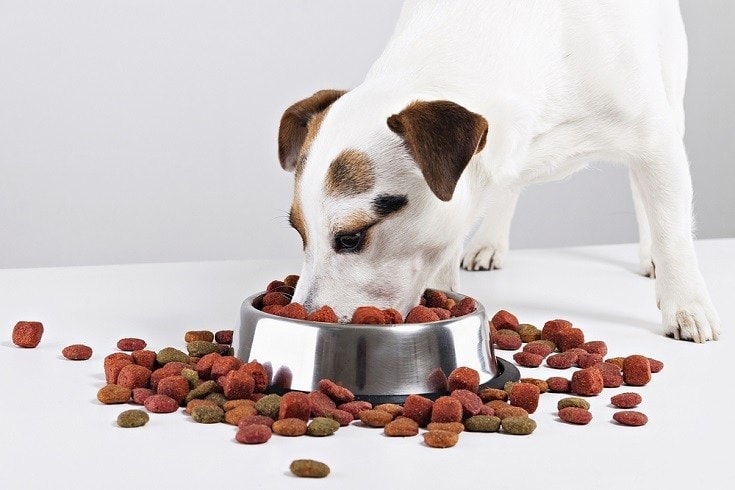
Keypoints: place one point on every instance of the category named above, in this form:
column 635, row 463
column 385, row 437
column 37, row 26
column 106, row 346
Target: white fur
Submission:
column 561, row 84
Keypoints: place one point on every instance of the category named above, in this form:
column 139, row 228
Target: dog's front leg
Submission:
column 489, row 245
column 663, row 178
column 646, row 267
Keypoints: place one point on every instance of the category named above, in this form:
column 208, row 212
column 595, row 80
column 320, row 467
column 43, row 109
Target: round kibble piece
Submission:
column 200, row 348
column 446, row 409
column 160, row 404
column 457, row 427
column 418, row 408
column 253, row 434
column 27, row 334
column 401, row 427
column 563, row 360
column 575, row 415
column 207, row 414
column 132, row 418
column 656, row 365
column 77, row 352
column 482, row 423
column 440, row 438
column 113, row 394
column 520, row 426
column 130, row 344
column 552, row 328
column 508, row 340
column 558, row 384
column 504, row 319
column 626, row 400
column 294, row 404
column 572, row 401
column 291, row 427
column 193, row 335
column 269, row 405
column 528, row 359
column 223, row 336
column 630, row 417
column 322, row 426
column 309, row 468
column 376, row 418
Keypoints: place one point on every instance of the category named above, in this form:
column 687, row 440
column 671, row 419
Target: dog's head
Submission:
column 375, row 198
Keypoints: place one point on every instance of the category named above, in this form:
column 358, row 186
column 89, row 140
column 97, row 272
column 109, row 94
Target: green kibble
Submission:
column 217, row 398
column 528, row 332
column 520, row 426
column 309, row 468
column 482, row 423
column 132, row 418
column 508, row 386
column 200, row 348
column 573, row 401
column 171, row 354
column 269, row 406
column 207, row 414
column 202, row 390
column 192, row 377
column 322, row 426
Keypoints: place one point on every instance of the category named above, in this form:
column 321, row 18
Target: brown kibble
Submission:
column 471, row 402
column 342, row 416
column 504, row 411
column 292, row 310
column 357, row 406
column 140, row 394
column 401, row 427
column 563, row 360
column 442, row 313
column 134, row 376
column 258, row 373
column 160, row 404
column 223, row 336
column 176, row 387
column 291, row 280
column 558, row 384
column 192, row 335
column 325, row 314
column 234, row 415
column 253, row 434
column 539, row 347
column 435, row 298
column 636, row 370
column 528, row 332
column 255, row 420
column 656, row 365
column 585, row 359
column 504, row 319
column 488, row 394
column 527, row 359
column 130, row 344
column 524, row 395
column 465, row 306
column 418, row 408
column 309, row 468
column 77, row 352
column 595, row 347
column 27, row 334
column 113, row 394
column 294, row 404
column 221, row 365
column 197, row 402
column 338, row 393
column 446, row 409
column 421, row 314
column 569, row 338
column 440, row 438
column 289, row 426
column 368, row 315
column 392, row 316
column 508, row 340
column 618, row 361
column 145, row 358
column 392, row 408
column 457, row 427
column 626, row 400
column 612, row 376
column 575, row 415
column 463, row 378
column 542, row 385
column 375, row 418
column 275, row 299
column 552, row 328
column 587, row 382
column 630, row 417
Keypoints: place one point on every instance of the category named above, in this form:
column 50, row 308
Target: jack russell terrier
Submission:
column 469, row 102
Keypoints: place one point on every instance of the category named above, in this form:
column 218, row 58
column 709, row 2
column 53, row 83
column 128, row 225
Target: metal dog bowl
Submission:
column 378, row 363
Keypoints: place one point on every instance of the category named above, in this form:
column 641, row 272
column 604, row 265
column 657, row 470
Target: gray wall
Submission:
column 143, row 131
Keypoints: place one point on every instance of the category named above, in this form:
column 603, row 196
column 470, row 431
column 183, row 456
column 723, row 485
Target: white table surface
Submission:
column 55, row 434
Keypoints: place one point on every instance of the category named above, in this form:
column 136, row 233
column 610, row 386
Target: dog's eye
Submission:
column 351, row 242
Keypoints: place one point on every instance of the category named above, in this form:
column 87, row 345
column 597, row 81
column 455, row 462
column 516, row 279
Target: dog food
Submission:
column 558, row 384
column 446, row 409
column 528, row 359
column 294, row 404
column 336, row 392
column 440, row 438
column 223, row 337
column 482, row 423
column 77, row 352
column 192, row 335
column 528, row 332
column 401, row 427
column 368, row 315
column 572, row 401
column 392, row 408
column 309, row 468
column 655, row 364
column 471, row 402
column 575, row 415
column 322, row 426
column 160, row 404
column 630, row 417
column 200, row 348
column 418, row 408
column 27, row 334
column 504, row 319
column 626, row 400
column 569, row 338
column 636, row 370
column 552, row 328
column 289, row 426
column 375, row 418
column 134, row 376
column 325, row 314
column 113, row 394
column 595, row 347
column 457, row 427
column 587, row 382
column 132, row 418
column 270, row 406
column 208, row 414
column 489, row 394
column 463, row 378
column 255, row 420
column 421, row 314
column 508, row 340
column 563, row 360
column 525, row 395
column 520, row 426
column 130, row 344
column 543, row 386
column 253, row 434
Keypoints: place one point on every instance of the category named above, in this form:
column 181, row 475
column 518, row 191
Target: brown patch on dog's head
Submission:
column 442, row 137
column 296, row 219
column 349, row 174
column 295, row 129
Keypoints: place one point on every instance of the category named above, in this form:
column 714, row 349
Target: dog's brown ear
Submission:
column 293, row 128
column 442, row 137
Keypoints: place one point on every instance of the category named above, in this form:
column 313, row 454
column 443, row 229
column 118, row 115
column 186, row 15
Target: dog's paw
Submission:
column 647, row 267
column 697, row 322
column 483, row 258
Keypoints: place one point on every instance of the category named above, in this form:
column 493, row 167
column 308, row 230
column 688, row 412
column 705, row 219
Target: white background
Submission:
column 145, row 131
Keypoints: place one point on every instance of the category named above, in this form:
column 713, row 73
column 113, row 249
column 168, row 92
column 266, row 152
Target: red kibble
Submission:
column 612, row 376
column 418, row 408
column 527, row 359
column 224, row 364
column 575, row 415
column 177, row 387
column 562, row 360
column 557, row 384
column 504, row 320
column 27, row 334
column 292, row 310
column 77, row 352
column 446, row 409
column 626, row 400
column 338, row 393
column 463, row 378
column 113, row 368
column 203, row 367
column 538, row 347
column 294, row 404
column 271, row 309
column 587, row 382
column 656, row 365
column 442, row 313
column 508, row 340
column 274, row 286
column 595, row 347
column 325, row 314
column 392, row 316
column 343, row 417
column 140, row 395
column 145, row 358
column 435, row 298
column 170, row 369
column 237, row 384
column 569, row 338
column 368, row 315
column 320, row 404
column 160, row 404
column 223, row 336
column 253, row 434
column 421, row 314
column 524, row 395
column 471, row 403
column 465, row 306
column 630, row 417
column 134, row 376
column 129, row 344
column 552, row 328
column 636, row 370
column 275, row 298
column 355, row 407
column 259, row 374
column 585, row 359
column 254, row 420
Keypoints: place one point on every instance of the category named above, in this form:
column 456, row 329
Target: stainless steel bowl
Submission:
column 380, row 364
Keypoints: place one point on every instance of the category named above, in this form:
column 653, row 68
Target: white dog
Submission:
column 469, row 102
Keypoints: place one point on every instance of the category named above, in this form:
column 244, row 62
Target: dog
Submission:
column 468, row 103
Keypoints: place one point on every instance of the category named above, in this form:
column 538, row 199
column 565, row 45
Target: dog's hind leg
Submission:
column 647, row 267
column 489, row 245
column 662, row 173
